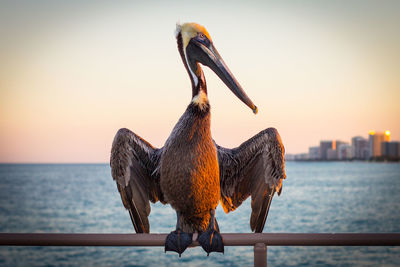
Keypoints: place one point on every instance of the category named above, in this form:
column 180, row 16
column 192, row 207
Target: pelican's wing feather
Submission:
column 134, row 166
column 256, row 168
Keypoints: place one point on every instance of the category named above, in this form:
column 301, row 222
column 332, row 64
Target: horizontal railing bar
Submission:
column 236, row 239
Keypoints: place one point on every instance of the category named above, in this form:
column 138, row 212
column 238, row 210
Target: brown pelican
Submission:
column 191, row 172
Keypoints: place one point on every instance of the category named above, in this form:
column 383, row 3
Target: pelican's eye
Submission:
column 202, row 38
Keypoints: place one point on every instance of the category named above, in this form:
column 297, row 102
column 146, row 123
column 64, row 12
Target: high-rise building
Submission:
column 360, row 148
column 390, row 149
column 331, row 154
column 344, row 152
column 335, row 145
column 313, row 153
column 323, row 148
column 375, row 140
column 328, row 149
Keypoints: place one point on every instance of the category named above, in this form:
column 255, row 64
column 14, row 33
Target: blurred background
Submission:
column 73, row 72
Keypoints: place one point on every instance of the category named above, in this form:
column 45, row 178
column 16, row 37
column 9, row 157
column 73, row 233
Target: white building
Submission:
column 313, row 153
column 344, row 152
column 331, row 154
column 360, row 148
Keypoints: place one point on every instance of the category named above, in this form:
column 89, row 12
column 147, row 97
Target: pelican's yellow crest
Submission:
column 190, row 30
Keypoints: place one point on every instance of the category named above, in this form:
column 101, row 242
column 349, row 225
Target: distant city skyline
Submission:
column 378, row 146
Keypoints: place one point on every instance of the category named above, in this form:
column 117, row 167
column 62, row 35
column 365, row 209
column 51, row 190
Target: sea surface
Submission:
column 324, row 197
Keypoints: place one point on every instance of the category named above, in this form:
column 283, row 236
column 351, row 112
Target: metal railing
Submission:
column 260, row 241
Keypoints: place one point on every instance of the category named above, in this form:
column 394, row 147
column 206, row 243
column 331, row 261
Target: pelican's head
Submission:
column 197, row 47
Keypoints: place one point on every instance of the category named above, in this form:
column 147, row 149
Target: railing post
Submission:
column 260, row 255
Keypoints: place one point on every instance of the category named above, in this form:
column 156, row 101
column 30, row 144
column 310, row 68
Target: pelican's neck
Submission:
column 199, row 89
column 196, row 75
column 198, row 80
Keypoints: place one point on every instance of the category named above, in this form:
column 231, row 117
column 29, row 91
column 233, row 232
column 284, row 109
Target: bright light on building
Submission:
column 371, row 132
column 387, row 133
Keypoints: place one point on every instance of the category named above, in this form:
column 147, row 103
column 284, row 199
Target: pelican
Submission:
column 191, row 172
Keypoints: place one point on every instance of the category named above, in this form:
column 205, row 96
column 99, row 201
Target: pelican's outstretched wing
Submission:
column 256, row 168
column 134, row 167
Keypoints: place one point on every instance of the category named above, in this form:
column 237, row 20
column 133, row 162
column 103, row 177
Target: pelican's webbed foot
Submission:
column 211, row 240
column 178, row 241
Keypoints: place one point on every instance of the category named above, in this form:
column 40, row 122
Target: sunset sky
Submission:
column 72, row 73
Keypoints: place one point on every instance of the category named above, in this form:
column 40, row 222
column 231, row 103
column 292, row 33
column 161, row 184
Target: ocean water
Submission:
column 317, row 197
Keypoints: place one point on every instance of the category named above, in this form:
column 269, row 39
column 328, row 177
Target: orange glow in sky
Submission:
column 73, row 73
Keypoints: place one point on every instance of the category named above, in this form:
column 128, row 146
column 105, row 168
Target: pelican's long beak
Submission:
column 205, row 53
